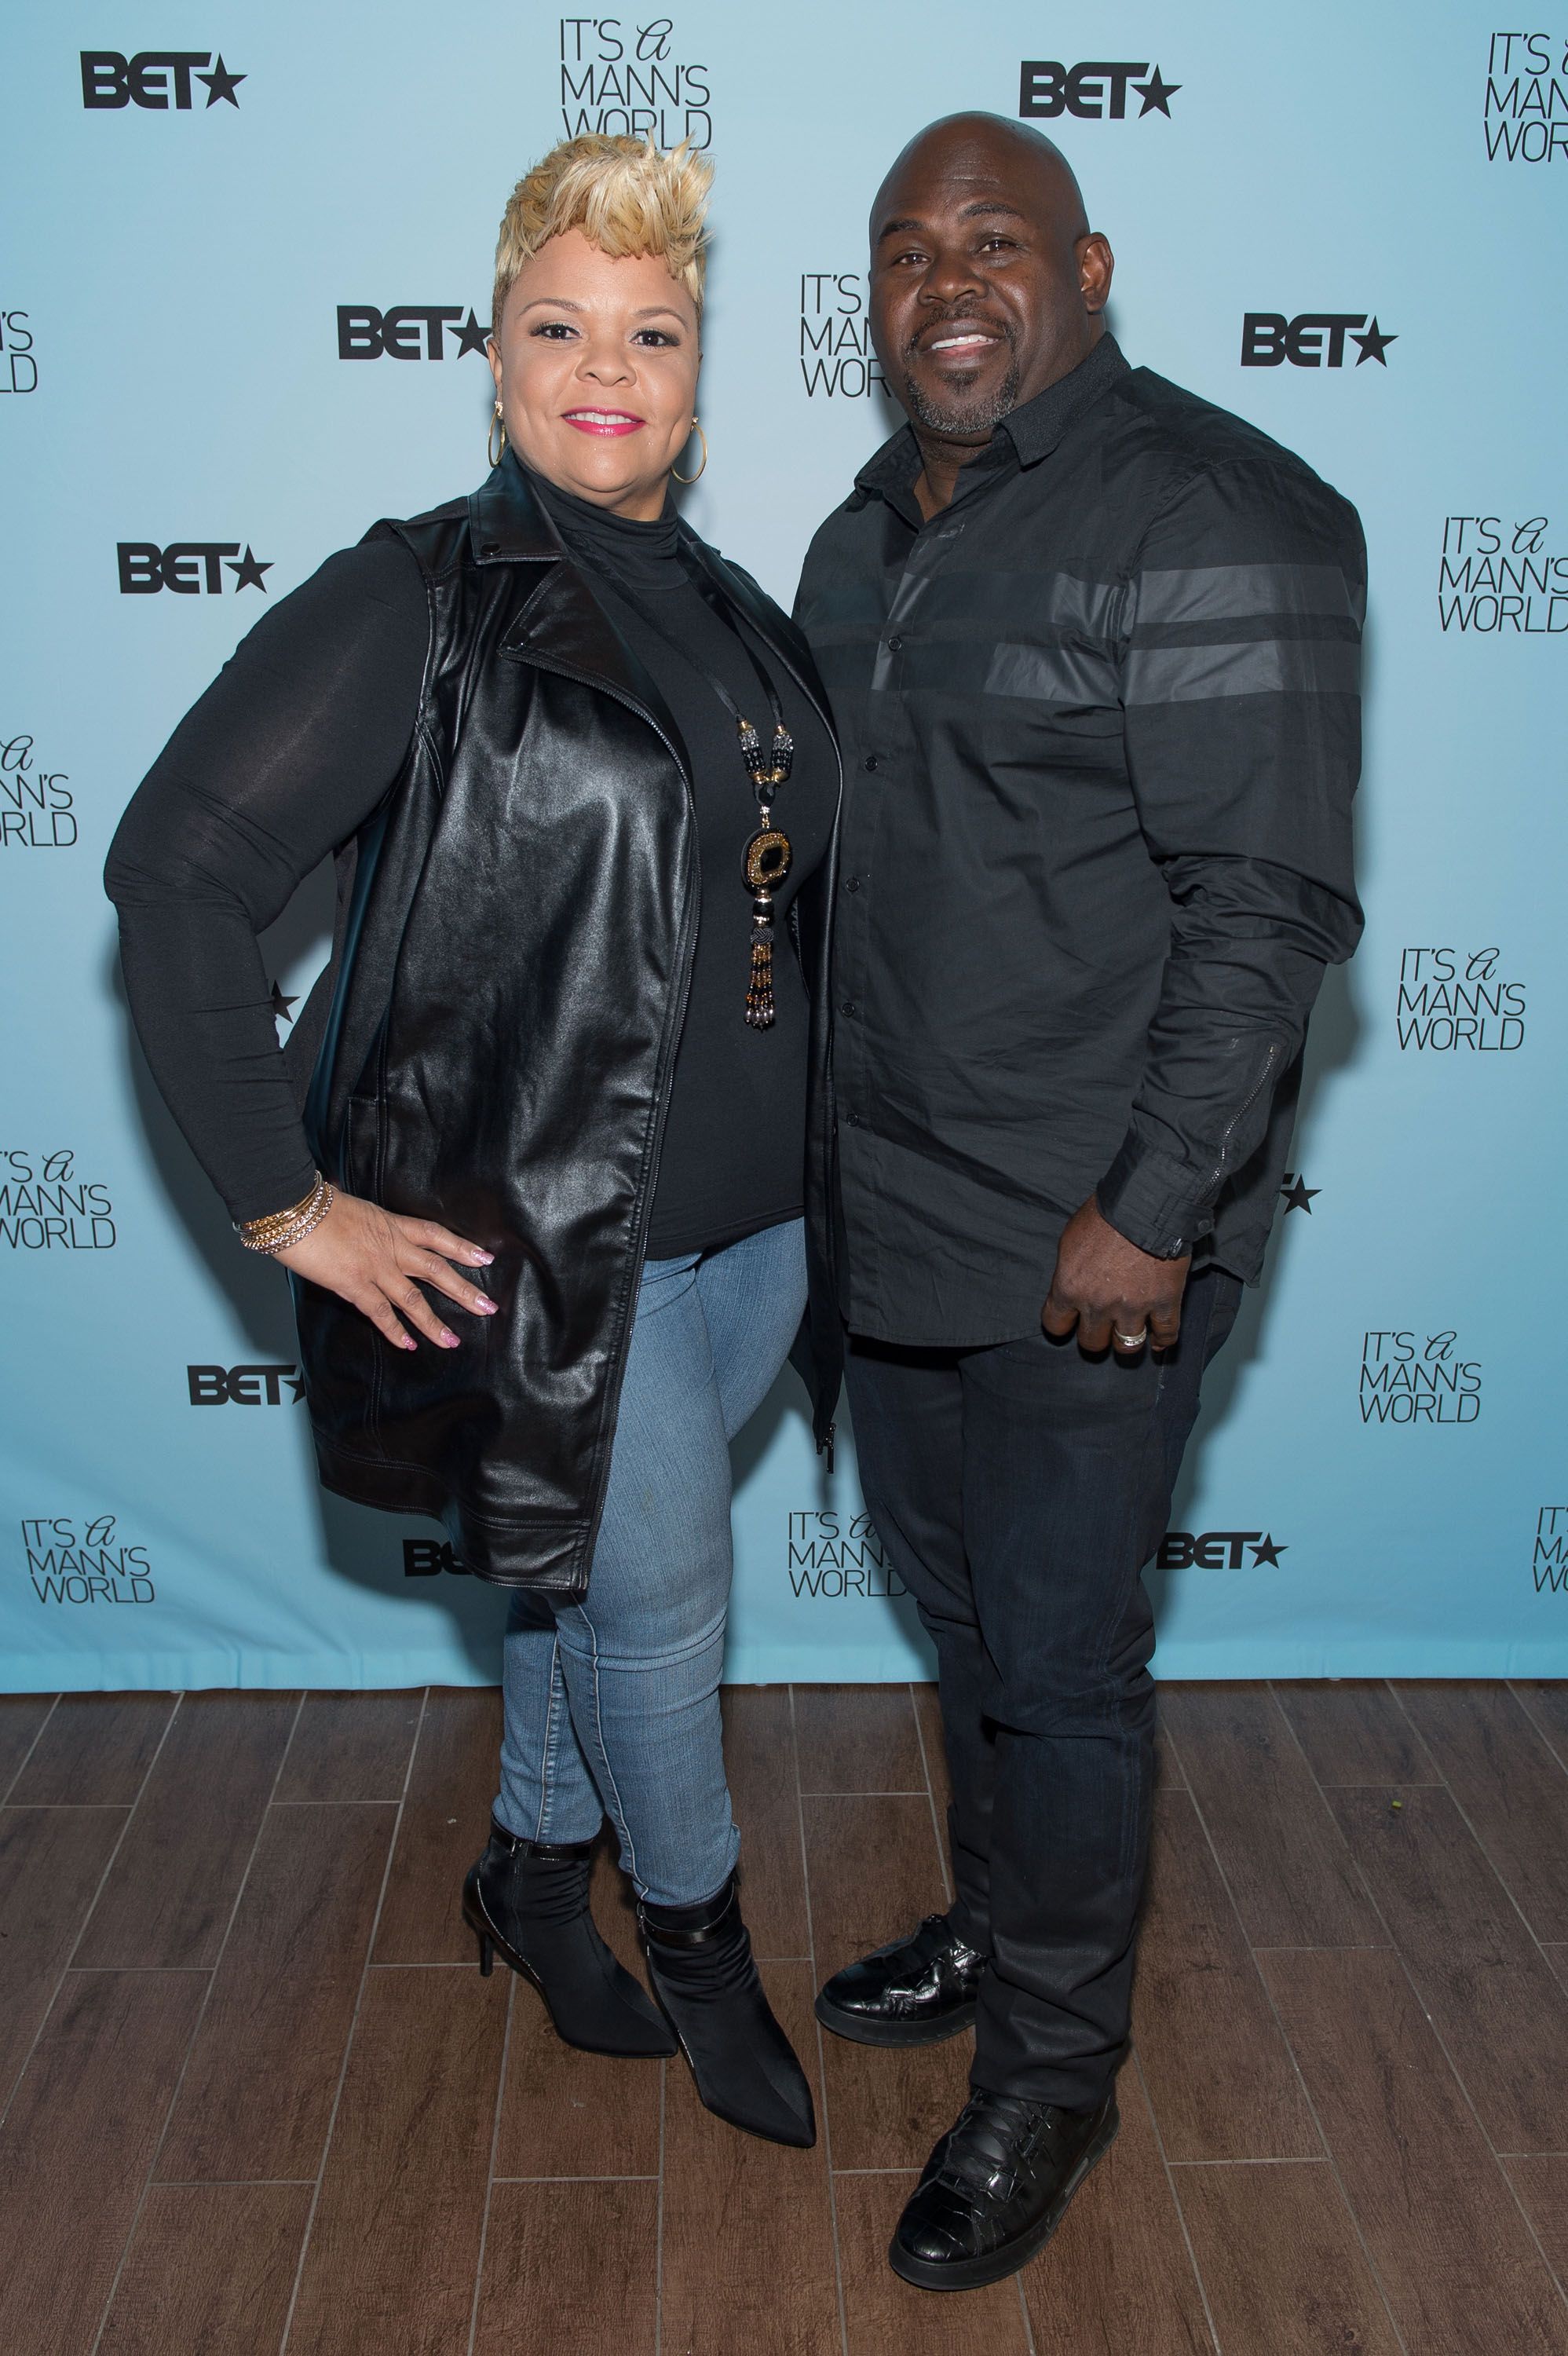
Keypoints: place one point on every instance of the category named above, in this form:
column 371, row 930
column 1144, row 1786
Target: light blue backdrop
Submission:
column 1380, row 1483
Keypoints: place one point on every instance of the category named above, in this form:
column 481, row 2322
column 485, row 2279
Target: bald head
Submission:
column 989, row 148
column 987, row 283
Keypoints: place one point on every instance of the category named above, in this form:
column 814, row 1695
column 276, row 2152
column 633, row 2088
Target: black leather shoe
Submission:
column 745, row 2067
column 528, row 1903
column 914, row 1991
column 996, row 2189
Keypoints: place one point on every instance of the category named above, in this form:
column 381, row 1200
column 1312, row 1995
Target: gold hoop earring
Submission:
column 701, row 470
column 491, row 452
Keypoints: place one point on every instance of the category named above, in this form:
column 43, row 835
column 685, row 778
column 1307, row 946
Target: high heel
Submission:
column 527, row 1902
column 700, row 1958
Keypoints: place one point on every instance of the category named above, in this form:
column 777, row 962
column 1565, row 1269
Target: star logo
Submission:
column 1264, row 1549
column 471, row 335
column 1297, row 1197
column 248, row 571
column 281, row 1004
column 1156, row 93
column 295, row 1383
column 1373, row 344
column 221, row 83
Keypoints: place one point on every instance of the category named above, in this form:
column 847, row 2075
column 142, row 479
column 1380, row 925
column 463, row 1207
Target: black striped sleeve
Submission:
column 1240, row 691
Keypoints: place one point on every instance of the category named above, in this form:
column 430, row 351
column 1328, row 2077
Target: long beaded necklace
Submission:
column 769, row 852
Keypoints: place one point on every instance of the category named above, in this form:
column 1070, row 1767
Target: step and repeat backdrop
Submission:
column 242, row 309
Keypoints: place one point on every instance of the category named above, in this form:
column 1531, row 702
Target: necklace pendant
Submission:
column 769, row 855
column 760, row 1008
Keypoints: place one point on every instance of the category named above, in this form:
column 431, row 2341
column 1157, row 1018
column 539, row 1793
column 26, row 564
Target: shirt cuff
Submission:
column 1154, row 1201
column 259, row 1201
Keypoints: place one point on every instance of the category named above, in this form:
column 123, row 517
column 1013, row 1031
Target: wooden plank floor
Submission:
column 255, row 2100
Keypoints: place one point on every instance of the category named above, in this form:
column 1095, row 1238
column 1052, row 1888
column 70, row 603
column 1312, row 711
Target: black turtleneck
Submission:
column 735, row 1136
column 294, row 745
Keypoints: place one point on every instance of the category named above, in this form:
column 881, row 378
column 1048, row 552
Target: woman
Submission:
column 582, row 791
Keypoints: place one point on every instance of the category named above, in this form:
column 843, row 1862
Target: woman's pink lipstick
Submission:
column 604, row 420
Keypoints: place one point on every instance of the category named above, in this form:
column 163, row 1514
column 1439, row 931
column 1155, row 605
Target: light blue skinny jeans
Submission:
column 611, row 1705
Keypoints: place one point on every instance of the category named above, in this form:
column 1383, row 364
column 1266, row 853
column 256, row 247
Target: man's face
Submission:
column 985, row 288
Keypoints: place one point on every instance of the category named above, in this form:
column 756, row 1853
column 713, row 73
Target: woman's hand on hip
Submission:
column 372, row 1257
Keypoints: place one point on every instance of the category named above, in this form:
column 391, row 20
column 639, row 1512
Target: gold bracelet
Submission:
column 276, row 1230
column 275, row 1222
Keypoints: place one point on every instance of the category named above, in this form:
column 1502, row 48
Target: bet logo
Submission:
column 1218, row 1549
column 187, row 566
column 365, row 334
column 244, row 1386
column 1092, row 93
column 1269, row 340
column 426, row 1557
column 154, row 78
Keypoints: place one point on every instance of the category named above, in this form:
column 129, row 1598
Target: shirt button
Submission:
column 848, row 1007
column 870, row 762
column 894, row 646
column 853, row 884
column 854, row 1121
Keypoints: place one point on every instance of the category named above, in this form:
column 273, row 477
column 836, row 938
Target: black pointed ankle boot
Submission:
column 527, row 1902
column 703, row 1975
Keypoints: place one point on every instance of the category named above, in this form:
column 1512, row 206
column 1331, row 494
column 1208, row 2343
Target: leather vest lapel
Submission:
column 560, row 626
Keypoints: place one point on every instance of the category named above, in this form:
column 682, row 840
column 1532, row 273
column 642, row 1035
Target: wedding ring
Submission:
column 1129, row 1340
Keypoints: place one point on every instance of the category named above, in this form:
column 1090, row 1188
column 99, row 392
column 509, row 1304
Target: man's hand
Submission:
column 371, row 1258
column 1118, row 1296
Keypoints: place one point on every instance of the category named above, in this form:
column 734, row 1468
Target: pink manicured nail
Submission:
column 486, row 1306
column 449, row 1339
column 481, row 1259
column 407, row 1343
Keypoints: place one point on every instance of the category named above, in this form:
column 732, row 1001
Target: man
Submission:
column 1092, row 647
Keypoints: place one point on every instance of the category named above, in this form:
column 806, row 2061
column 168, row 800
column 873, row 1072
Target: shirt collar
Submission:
column 1032, row 432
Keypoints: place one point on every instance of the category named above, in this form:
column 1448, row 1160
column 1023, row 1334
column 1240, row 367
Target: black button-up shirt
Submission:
column 1101, row 726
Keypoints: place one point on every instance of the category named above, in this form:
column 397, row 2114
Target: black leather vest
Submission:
column 515, row 946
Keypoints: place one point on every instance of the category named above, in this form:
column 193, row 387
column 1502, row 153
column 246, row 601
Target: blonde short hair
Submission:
column 626, row 196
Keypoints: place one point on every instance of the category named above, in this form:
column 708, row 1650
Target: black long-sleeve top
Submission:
column 293, row 746
column 1101, row 728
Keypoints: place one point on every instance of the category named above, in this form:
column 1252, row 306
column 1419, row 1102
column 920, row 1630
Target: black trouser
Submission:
column 1020, row 1490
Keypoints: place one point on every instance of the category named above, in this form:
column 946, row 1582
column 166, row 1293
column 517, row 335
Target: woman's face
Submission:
column 595, row 363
